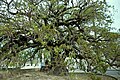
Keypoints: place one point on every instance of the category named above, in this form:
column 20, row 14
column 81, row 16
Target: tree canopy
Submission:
column 78, row 29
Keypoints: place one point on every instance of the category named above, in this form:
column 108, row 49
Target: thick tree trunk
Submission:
column 59, row 70
column 58, row 66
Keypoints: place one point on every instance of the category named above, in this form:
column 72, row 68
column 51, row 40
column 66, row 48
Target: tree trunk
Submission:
column 58, row 66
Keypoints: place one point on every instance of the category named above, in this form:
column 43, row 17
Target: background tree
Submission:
column 78, row 29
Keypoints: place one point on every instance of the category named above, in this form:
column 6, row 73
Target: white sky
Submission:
column 116, row 13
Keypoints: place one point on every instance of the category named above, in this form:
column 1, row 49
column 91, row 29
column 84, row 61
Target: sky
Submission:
column 116, row 12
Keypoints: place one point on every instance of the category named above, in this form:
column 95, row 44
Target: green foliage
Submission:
column 58, row 29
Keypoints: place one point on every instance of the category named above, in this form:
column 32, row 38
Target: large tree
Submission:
column 57, row 29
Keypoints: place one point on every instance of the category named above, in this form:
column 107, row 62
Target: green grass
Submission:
column 37, row 75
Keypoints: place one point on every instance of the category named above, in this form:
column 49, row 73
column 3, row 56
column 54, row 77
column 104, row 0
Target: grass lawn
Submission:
column 37, row 75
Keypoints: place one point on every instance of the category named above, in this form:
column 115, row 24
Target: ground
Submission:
column 37, row 75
